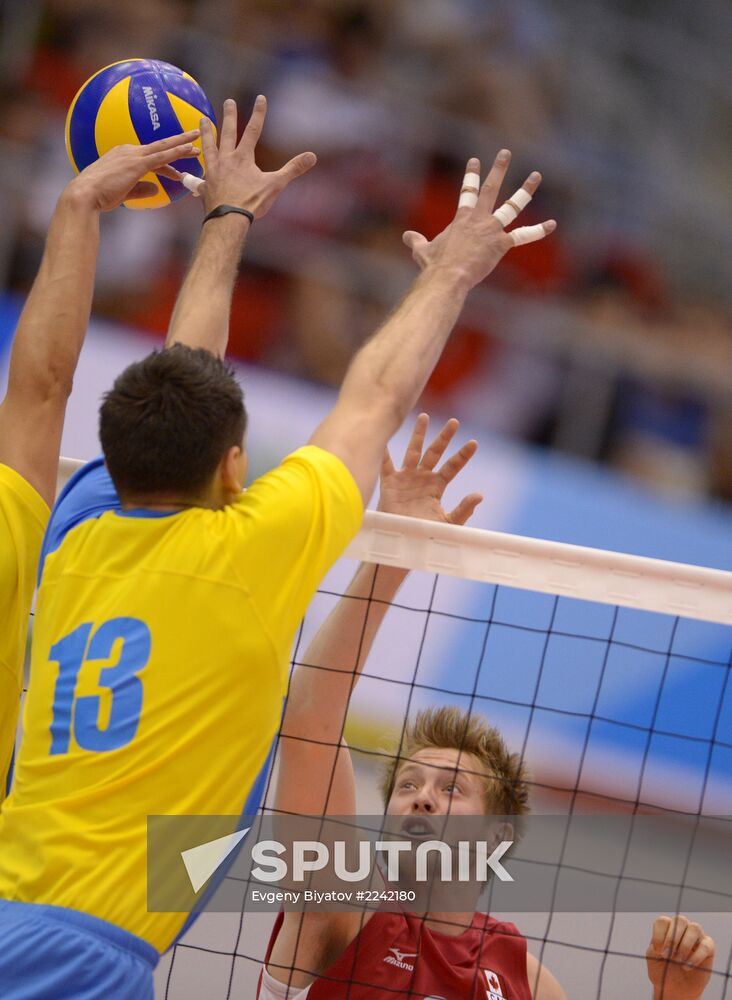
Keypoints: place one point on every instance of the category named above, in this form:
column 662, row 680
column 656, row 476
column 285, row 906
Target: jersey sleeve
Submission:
column 23, row 517
column 88, row 494
column 291, row 526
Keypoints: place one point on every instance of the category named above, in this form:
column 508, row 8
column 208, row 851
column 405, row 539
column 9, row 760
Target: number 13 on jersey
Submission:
column 86, row 644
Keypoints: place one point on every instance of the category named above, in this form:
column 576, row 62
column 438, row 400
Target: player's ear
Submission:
column 500, row 832
column 233, row 469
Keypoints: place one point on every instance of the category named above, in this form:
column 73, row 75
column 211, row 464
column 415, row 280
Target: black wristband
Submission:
column 225, row 209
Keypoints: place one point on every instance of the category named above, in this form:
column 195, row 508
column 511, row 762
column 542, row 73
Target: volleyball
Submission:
column 137, row 101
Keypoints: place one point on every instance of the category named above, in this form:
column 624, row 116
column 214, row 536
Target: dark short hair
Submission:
column 168, row 420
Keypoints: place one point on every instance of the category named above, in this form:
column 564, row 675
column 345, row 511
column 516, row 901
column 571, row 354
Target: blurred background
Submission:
column 593, row 367
column 611, row 341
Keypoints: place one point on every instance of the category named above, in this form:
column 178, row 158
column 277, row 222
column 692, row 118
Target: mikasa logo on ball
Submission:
column 150, row 98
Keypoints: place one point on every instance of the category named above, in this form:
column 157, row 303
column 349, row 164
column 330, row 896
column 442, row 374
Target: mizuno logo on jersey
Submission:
column 398, row 958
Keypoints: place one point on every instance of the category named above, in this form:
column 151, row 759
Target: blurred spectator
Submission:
column 393, row 98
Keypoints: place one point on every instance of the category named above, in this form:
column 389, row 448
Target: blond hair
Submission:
column 449, row 727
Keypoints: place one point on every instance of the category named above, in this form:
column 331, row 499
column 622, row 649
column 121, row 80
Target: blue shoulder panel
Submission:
column 252, row 806
column 89, row 493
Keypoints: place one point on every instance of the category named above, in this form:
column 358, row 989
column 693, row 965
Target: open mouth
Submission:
column 416, row 826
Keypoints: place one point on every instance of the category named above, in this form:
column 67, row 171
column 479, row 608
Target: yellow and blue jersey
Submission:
column 158, row 670
column 23, row 518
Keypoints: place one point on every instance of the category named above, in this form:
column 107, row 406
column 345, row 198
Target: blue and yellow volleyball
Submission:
column 137, row 101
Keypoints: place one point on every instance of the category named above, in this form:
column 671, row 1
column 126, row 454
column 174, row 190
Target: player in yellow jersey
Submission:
column 169, row 598
column 46, row 348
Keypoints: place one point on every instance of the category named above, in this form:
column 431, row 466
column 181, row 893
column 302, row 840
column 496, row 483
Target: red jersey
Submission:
column 395, row 957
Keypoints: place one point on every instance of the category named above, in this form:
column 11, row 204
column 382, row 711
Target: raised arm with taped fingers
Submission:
column 201, row 314
column 54, row 320
column 388, row 374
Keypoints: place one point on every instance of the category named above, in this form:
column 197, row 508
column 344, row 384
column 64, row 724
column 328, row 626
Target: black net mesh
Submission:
column 613, row 710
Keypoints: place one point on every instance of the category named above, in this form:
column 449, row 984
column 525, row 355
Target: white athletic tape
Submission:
column 527, row 234
column 192, row 183
column 511, row 208
column 469, row 199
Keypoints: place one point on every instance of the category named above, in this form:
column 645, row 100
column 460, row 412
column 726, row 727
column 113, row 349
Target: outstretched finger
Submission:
column 227, row 136
column 530, row 234
column 419, row 245
column 208, row 143
column 165, row 156
column 297, row 166
column 457, row 462
column 416, row 442
column 492, row 183
column 387, row 466
column 414, row 240
column 518, row 201
column 255, row 125
column 437, row 449
column 471, row 184
column 194, row 184
column 170, row 172
column 160, row 145
column 465, row 509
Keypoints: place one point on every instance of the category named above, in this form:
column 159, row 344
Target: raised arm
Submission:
column 315, row 772
column 54, row 320
column 388, row 374
column 315, row 775
column 201, row 314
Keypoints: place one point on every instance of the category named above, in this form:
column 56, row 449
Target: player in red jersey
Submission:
column 449, row 762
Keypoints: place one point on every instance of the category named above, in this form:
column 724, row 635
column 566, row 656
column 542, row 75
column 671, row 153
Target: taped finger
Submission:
column 512, row 206
column 193, row 183
column 529, row 234
column 470, row 190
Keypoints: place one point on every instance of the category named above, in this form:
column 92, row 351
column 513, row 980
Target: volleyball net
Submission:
column 608, row 673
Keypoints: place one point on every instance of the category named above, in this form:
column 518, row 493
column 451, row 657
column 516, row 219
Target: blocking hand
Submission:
column 475, row 241
column 232, row 175
column 116, row 176
column 416, row 489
